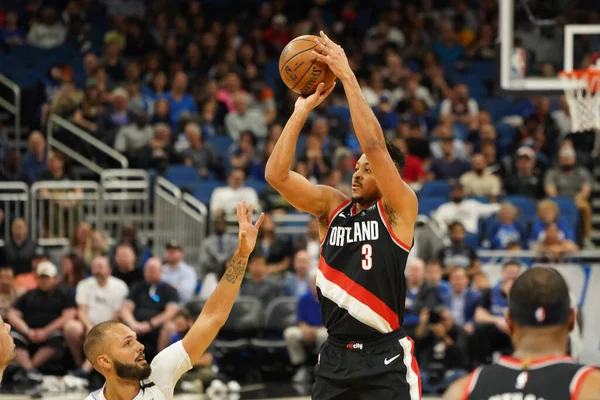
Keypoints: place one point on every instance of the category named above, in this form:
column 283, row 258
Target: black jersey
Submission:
column 553, row 378
column 360, row 281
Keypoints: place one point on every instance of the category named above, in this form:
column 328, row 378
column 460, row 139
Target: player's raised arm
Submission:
column 396, row 193
column 318, row 200
column 217, row 308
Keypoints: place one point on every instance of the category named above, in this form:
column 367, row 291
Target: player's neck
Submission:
column 121, row 389
column 538, row 346
column 361, row 207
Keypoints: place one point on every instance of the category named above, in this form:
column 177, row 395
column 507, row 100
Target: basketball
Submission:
column 300, row 69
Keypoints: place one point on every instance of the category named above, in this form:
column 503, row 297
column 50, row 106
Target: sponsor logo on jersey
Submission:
column 359, row 232
column 354, row 346
column 515, row 396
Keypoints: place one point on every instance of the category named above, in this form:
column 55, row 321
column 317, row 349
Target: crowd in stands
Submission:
column 191, row 91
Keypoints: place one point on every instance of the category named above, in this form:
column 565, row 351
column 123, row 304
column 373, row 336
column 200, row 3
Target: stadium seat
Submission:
column 203, row 190
column 258, row 186
column 427, row 205
column 279, row 314
column 525, row 204
column 221, row 144
column 568, row 209
column 472, row 239
column 484, row 70
column 182, row 175
column 435, row 189
column 498, row 107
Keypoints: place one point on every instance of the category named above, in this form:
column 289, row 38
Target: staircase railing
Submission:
column 68, row 126
column 13, row 108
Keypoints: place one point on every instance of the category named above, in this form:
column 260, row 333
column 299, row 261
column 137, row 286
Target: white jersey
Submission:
column 167, row 368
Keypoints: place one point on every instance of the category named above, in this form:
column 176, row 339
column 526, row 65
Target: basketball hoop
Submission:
column 582, row 92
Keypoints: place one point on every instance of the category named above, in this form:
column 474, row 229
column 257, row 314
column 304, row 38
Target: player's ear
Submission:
column 572, row 318
column 103, row 361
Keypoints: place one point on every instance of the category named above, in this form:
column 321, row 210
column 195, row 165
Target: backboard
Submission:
column 539, row 38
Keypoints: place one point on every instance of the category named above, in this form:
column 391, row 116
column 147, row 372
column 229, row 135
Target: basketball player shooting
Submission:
column 364, row 247
column 539, row 318
column 115, row 352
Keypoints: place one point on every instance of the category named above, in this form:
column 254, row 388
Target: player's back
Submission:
column 555, row 378
column 361, row 281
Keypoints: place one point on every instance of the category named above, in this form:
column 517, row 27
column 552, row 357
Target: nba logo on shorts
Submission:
column 540, row 315
column 522, row 380
column 518, row 63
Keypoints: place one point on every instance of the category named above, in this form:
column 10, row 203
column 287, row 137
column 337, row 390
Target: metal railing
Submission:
column 13, row 108
column 293, row 224
column 98, row 146
column 58, row 206
column 14, row 203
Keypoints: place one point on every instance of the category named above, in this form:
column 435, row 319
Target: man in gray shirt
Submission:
column 217, row 248
column 199, row 155
column 570, row 180
column 258, row 284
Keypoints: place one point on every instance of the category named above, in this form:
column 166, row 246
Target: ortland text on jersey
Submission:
column 360, row 231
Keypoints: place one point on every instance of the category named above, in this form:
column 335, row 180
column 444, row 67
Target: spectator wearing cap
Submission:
column 125, row 267
column 27, row 281
column 225, row 198
column 241, row 118
column 479, row 181
column 459, row 254
column 48, row 32
column 38, row 318
column 258, row 283
column 216, row 249
column 114, row 117
column 179, row 100
column 572, row 181
column 525, row 181
column 178, row 273
column 19, row 251
column 150, row 304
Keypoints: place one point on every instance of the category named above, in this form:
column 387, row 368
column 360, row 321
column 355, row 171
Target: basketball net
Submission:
column 582, row 93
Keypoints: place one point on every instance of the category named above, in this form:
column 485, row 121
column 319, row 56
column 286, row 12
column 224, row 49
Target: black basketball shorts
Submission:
column 382, row 368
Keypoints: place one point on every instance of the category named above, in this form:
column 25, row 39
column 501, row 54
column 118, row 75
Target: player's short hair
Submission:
column 397, row 156
column 455, row 224
column 96, row 338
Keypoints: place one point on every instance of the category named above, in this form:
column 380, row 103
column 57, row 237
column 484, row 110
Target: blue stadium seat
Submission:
column 221, row 144
column 568, row 209
column 258, row 186
column 484, row 70
column 525, row 204
column 427, row 205
column 203, row 190
column 182, row 175
column 341, row 112
column 472, row 239
column 498, row 107
column 300, row 146
column 435, row 189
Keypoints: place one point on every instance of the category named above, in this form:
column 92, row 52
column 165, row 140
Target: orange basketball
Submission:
column 300, row 69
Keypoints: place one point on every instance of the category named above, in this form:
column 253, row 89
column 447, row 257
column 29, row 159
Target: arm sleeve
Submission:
column 168, row 366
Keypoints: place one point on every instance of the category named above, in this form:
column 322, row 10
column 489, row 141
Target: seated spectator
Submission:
column 97, row 247
column 467, row 212
column 18, row 252
column 443, row 133
column 574, row 182
column 258, row 284
column 34, row 162
column 462, row 301
column 548, row 213
column 297, row 284
column 242, row 119
column 180, row 101
column 419, row 295
column 99, row 298
column 459, row 254
column 157, row 89
column 553, row 245
column 316, row 162
column 130, row 237
column 275, row 248
column 178, row 273
column 244, row 154
column 37, row 320
column 216, row 249
column 481, row 282
column 442, row 350
column 80, row 240
column 433, row 276
column 72, row 270
column 524, row 181
column 225, row 198
column 125, row 267
column 479, row 181
column 162, row 113
column 447, row 167
column 11, row 35
column 134, row 136
column 150, row 304
column 311, row 243
column 491, row 331
column 86, row 116
column 28, row 280
column 8, row 291
column 413, row 171
column 114, row 117
column 459, row 107
column 506, row 229
column 200, row 155
column 157, row 154
column 48, row 32
column 310, row 331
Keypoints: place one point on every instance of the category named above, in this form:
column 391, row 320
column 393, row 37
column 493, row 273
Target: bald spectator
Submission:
column 225, row 198
column 572, row 181
column 178, row 273
column 199, row 155
column 125, row 267
column 479, row 181
column 297, row 283
column 149, row 305
column 115, row 117
column 34, row 160
column 242, row 119
column 179, row 100
column 19, row 251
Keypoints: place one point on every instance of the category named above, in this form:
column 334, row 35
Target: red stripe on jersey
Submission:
column 471, row 382
column 415, row 365
column 389, row 227
column 577, row 385
column 518, row 363
column 359, row 293
column 332, row 216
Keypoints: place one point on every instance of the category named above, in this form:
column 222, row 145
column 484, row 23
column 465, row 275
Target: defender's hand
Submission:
column 248, row 231
column 311, row 102
column 334, row 56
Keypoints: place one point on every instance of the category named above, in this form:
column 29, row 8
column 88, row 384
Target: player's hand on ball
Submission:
column 248, row 231
column 333, row 55
column 311, row 102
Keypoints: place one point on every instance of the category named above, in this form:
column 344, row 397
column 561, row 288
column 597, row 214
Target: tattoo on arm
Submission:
column 236, row 268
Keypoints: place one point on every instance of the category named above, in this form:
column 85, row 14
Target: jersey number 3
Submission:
column 367, row 261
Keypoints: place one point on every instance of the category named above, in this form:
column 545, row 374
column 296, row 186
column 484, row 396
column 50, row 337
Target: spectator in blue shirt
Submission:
column 298, row 284
column 178, row 274
column 548, row 213
column 462, row 301
column 11, row 35
column 179, row 100
column 310, row 330
column 34, row 161
column 447, row 49
column 506, row 229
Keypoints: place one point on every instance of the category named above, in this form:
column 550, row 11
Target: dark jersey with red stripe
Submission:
column 555, row 378
column 360, row 281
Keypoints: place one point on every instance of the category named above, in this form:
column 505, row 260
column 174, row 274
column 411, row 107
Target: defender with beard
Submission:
column 365, row 243
column 115, row 352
